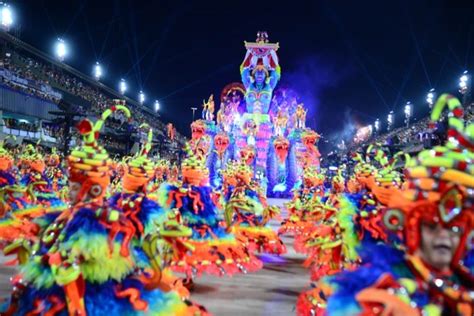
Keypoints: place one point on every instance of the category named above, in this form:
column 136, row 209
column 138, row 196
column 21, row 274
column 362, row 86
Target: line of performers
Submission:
column 382, row 241
column 94, row 236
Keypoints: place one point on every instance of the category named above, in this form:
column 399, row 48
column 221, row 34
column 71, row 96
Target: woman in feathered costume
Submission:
column 85, row 263
column 247, row 213
column 216, row 251
column 433, row 217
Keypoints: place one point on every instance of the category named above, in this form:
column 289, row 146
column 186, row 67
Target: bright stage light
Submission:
column 6, row 16
column 61, row 49
column 408, row 109
column 141, row 97
column 97, row 71
column 157, row 106
column 389, row 120
column 430, row 98
column 122, row 86
column 464, row 82
column 377, row 125
column 408, row 113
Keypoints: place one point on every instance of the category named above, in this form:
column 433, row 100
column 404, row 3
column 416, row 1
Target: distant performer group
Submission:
column 386, row 234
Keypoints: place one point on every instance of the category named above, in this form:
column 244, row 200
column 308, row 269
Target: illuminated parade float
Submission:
column 257, row 124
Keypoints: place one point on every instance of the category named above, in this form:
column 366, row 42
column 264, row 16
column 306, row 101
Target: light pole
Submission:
column 430, row 97
column 141, row 97
column 122, row 86
column 389, row 121
column 97, row 71
column 408, row 113
column 377, row 126
column 194, row 111
column 157, row 106
column 465, row 86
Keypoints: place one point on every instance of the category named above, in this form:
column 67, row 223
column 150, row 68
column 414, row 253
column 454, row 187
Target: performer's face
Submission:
column 74, row 188
column 438, row 244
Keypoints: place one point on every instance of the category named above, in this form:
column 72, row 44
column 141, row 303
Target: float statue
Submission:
column 260, row 73
column 257, row 126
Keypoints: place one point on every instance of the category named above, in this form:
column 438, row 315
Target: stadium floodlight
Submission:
column 141, row 97
column 61, row 49
column 377, row 125
column 408, row 109
column 464, row 82
column 430, row 97
column 6, row 16
column 157, row 106
column 122, row 86
column 408, row 112
column 97, row 71
column 389, row 121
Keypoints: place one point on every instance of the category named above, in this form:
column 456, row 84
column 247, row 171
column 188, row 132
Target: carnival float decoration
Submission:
column 258, row 124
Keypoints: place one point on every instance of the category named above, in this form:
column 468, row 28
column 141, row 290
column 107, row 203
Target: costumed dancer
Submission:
column 331, row 244
column 16, row 208
column 12, row 196
column 306, row 206
column 36, row 181
column 433, row 216
column 247, row 212
column 146, row 217
column 85, row 263
column 216, row 251
column 55, row 174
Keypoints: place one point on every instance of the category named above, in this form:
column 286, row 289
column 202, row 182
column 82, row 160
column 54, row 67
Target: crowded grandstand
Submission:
column 37, row 92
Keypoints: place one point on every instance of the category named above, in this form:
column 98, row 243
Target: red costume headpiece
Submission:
column 440, row 185
column 89, row 164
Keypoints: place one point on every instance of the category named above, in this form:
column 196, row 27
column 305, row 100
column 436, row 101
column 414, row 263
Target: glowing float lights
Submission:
column 6, row 16
column 97, row 71
column 157, row 105
column 61, row 49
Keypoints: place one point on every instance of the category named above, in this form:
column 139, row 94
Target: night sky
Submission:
column 350, row 61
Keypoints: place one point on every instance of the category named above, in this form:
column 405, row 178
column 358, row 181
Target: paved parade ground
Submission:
column 270, row 291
